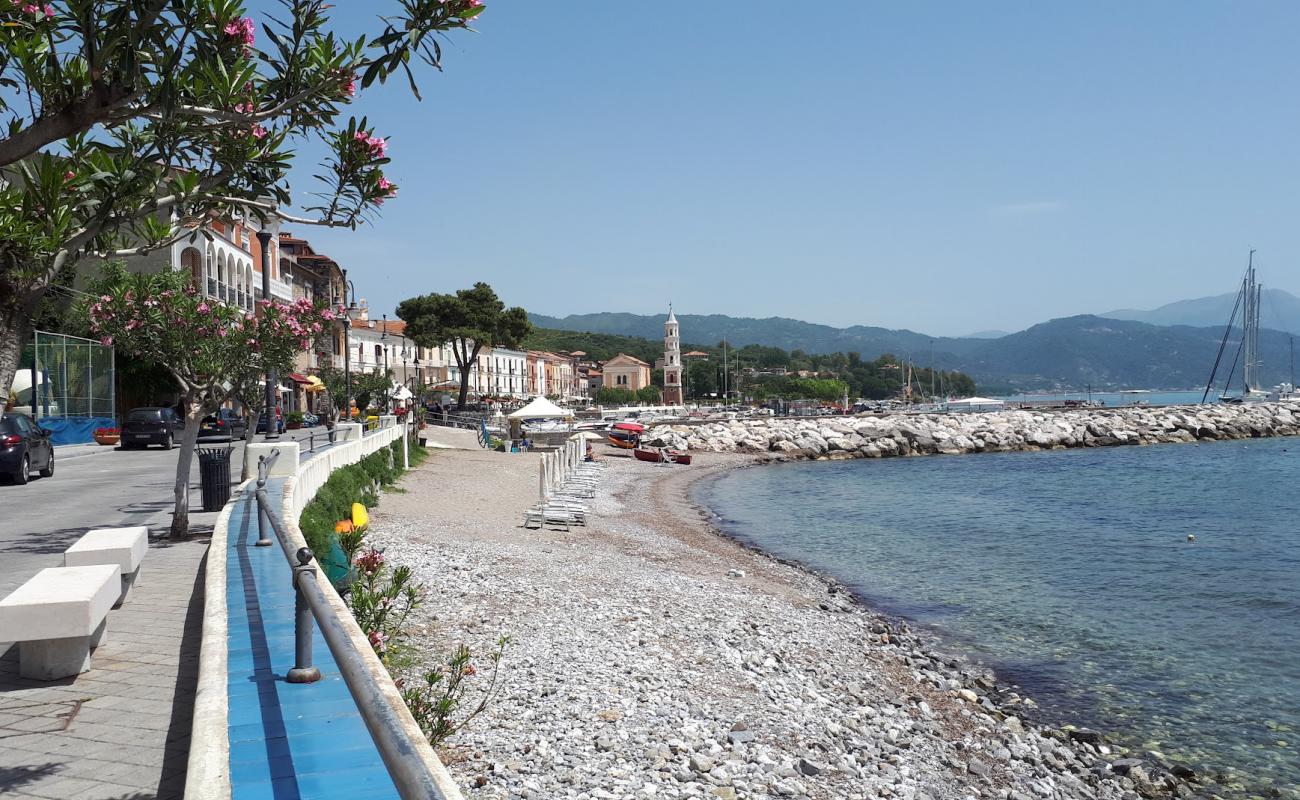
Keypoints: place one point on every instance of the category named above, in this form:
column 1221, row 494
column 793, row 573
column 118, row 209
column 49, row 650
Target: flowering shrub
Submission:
column 382, row 598
column 209, row 348
column 436, row 700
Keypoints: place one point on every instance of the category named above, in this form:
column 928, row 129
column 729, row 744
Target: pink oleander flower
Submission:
column 31, row 8
column 49, row 11
column 69, row 175
column 258, row 132
column 379, row 641
column 107, row 341
column 242, row 29
column 203, row 308
column 370, row 561
column 378, row 147
column 243, row 108
column 349, row 86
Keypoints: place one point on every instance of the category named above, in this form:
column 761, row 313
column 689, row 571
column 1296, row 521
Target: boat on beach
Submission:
column 661, row 455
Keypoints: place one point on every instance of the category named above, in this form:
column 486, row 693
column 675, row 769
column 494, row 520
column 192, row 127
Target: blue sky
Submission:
column 944, row 167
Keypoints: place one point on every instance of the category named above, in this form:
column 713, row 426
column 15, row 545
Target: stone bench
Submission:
column 125, row 547
column 57, row 617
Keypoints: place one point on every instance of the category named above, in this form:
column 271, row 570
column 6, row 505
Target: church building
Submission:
column 672, row 361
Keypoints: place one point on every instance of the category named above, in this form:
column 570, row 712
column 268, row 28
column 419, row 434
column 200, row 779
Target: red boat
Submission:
column 623, row 439
column 662, row 456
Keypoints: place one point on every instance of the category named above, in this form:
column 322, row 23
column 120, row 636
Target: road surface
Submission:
column 97, row 489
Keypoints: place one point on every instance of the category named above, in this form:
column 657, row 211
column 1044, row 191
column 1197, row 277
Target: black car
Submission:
column 279, row 421
column 226, row 423
column 151, row 425
column 24, row 445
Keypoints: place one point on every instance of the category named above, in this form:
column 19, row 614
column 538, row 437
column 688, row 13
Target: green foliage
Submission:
column 293, row 418
column 651, row 395
column 121, row 117
column 615, row 396
column 469, row 319
column 436, row 699
column 371, row 388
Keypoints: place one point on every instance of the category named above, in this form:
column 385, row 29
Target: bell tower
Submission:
column 672, row 361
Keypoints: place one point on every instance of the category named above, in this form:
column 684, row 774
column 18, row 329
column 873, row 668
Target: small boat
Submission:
column 629, row 427
column 625, row 440
column 661, row 455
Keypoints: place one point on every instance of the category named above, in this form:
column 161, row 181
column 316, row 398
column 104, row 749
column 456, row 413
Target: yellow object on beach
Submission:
column 360, row 517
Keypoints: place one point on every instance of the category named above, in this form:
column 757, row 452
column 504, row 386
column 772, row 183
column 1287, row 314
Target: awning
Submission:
column 299, row 379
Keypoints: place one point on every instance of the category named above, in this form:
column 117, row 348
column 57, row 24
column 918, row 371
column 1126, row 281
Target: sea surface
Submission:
column 1070, row 572
column 1112, row 399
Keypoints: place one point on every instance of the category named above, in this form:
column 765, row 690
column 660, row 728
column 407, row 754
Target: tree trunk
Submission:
column 15, row 329
column 185, row 460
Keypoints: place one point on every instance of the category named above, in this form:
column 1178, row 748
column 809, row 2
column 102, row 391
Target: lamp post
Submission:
column 272, row 429
column 388, row 389
column 346, row 305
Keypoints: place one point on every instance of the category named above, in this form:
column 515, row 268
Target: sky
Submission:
column 943, row 167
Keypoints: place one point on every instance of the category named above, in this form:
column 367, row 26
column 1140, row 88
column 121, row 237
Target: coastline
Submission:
column 894, row 435
column 656, row 655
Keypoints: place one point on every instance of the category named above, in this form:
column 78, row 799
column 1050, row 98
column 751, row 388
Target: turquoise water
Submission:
column 1112, row 399
column 1071, row 574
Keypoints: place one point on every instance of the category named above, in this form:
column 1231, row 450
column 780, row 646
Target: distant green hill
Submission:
column 1070, row 352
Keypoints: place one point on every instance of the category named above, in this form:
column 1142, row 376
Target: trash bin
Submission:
column 214, row 477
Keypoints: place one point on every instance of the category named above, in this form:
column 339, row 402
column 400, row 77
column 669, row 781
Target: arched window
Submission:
column 192, row 262
column 223, row 277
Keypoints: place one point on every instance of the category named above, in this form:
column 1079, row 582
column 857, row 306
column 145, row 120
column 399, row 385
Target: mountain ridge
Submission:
column 1068, row 352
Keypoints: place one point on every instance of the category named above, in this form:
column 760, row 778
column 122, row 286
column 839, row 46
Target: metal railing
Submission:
column 466, row 421
column 411, row 775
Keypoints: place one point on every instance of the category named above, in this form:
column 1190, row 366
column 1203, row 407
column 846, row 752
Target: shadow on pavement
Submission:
column 15, row 778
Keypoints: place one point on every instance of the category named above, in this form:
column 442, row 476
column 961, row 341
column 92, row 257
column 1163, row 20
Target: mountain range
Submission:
column 1278, row 309
column 1107, row 351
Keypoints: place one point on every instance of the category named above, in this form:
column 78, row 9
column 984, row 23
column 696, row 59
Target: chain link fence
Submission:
column 67, row 384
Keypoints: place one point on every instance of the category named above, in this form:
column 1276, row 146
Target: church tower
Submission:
column 672, row 361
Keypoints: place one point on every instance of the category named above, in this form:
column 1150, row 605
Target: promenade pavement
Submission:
column 121, row 730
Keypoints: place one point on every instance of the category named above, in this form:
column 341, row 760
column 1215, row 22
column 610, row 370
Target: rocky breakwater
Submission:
column 880, row 436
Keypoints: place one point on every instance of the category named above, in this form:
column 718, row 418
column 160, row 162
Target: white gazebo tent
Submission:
column 976, row 404
column 541, row 408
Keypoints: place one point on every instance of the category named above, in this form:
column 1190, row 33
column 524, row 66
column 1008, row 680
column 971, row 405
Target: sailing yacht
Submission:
column 1252, row 391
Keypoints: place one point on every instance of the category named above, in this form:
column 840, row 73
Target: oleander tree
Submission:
column 130, row 124
column 211, row 349
column 468, row 320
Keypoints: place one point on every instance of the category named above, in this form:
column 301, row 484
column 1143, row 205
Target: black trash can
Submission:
column 214, row 477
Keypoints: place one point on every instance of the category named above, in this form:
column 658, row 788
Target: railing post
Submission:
column 303, row 671
column 263, row 522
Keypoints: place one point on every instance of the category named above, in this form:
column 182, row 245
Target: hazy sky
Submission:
column 941, row 167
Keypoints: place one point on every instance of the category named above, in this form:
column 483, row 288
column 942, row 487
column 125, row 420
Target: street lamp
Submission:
column 345, row 311
column 272, row 429
column 388, row 389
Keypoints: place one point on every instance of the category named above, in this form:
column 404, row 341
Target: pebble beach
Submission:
column 652, row 656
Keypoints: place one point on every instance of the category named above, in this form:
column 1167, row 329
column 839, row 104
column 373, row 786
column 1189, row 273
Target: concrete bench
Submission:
column 57, row 617
column 125, row 547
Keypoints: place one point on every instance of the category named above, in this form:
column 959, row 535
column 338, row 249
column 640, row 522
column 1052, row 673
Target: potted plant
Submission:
column 293, row 420
column 107, row 436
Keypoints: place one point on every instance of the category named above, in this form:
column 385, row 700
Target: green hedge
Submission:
column 356, row 483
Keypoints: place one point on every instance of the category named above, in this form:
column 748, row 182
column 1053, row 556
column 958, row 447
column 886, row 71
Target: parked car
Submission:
column 279, row 421
column 225, row 424
column 151, row 425
column 24, row 445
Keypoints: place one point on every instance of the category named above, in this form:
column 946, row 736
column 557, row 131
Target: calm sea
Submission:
column 1070, row 572
column 1113, row 399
